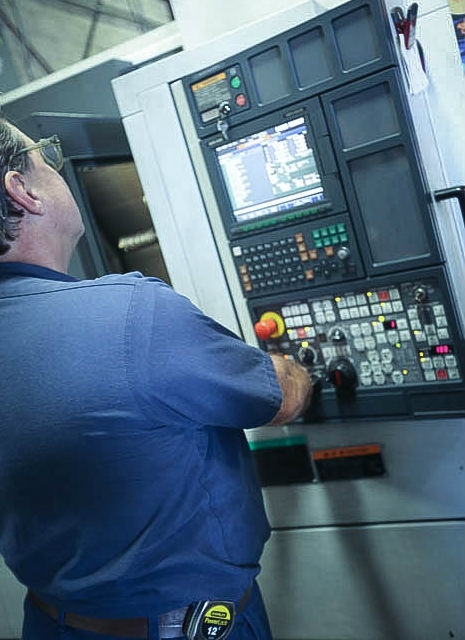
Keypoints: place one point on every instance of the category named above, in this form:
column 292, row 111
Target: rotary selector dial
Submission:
column 307, row 356
column 343, row 253
column 342, row 374
column 337, row 336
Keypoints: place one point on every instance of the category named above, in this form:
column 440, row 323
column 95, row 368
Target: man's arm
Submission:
column 296, row 388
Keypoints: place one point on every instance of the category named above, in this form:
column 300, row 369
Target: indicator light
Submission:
column 337, row 299
column 441, row 349
column 304, row 343
column 381, row 318
column 405, row 371
column 369, row 294
column 398, row 345
column 389, row 324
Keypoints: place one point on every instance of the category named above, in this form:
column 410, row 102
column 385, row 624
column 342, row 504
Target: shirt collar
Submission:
column 32, row 270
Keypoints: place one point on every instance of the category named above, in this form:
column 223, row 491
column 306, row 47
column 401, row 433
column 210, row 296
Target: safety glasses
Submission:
column 50, row 150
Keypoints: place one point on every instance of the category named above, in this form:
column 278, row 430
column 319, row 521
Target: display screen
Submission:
column 271, row 171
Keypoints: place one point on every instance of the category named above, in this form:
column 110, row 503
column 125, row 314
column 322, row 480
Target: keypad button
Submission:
column 379, row 378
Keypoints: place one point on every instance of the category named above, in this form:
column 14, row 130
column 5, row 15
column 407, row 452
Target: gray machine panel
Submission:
column 370, row 128
column 382, row 582
column 423, row 479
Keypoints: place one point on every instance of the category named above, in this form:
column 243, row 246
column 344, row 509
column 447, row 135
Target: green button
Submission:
column 316, row 233
column 332, row 229
column 236, row 82
column 324, row 233
column 344, row 237
column 341, row 227
column 318, row 244
column 327, row 242
column 334, row 239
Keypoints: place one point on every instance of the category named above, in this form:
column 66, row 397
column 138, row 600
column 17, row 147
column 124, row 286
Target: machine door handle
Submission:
column 452, row 192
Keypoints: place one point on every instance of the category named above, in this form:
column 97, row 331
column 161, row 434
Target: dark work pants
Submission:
column 251, row 624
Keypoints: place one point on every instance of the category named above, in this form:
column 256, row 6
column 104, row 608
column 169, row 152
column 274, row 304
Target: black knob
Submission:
column 342, row 374
column 337, row 335
column 343, row 253
column 224, row 108
column 317, row 382
column 306, row 356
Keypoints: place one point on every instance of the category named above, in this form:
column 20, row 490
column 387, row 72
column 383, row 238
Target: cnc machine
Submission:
column 310, row 220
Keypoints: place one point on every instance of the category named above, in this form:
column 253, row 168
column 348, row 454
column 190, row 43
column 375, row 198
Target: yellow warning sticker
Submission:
column 219, row 77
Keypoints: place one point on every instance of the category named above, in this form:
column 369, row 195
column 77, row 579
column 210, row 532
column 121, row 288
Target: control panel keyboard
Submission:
column 312, row 254
column 392, row 335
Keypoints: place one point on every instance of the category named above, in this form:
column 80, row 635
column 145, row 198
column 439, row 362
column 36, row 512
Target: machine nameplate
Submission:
column 348, row 463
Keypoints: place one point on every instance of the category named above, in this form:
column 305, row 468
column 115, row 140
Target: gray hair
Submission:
column 10, row 213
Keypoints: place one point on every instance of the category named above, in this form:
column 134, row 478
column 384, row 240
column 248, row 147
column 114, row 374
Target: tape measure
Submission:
column 209, row 620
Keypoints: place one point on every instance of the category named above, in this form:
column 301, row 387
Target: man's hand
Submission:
column 296, row 388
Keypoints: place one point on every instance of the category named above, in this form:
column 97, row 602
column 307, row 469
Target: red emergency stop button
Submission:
column 241, row 100
column 270, row 325
column 264, row 329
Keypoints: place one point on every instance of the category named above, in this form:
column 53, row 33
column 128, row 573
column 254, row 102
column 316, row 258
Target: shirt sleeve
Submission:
column 185, row 367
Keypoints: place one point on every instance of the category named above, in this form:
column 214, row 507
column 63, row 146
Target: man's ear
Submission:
column 21, row 194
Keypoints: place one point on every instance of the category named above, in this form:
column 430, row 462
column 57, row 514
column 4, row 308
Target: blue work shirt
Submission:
column 126, row 482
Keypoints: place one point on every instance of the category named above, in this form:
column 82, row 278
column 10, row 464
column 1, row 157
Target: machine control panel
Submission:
column 319, row 188
column 220, row 94
column 314, row 253
column 366, row 337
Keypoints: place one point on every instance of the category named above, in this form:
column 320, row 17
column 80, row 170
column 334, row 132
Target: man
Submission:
column 127, row 494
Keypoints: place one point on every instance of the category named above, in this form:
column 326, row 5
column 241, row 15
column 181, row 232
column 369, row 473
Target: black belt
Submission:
column 170, row 624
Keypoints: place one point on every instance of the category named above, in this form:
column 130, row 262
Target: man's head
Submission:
column 39, row 219
column 11, row 143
